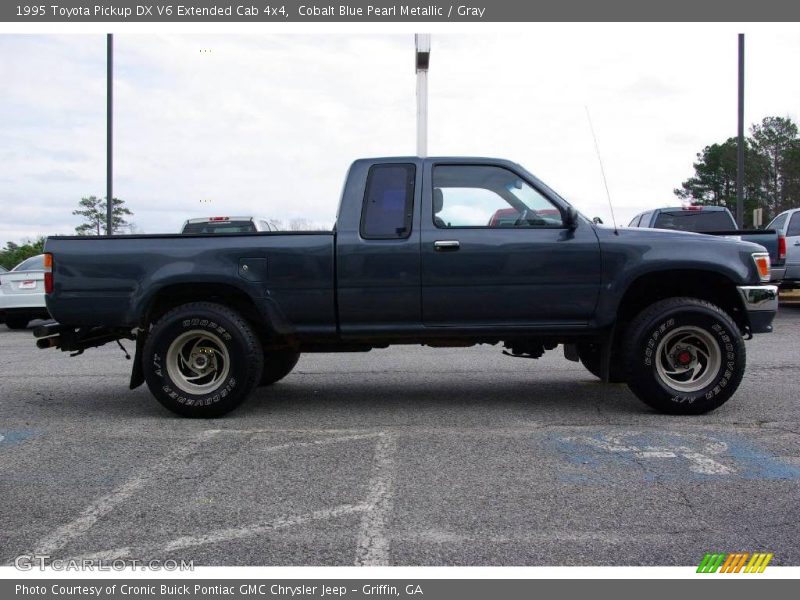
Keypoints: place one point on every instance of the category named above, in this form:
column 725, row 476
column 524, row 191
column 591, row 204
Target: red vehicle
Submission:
column 508, row 217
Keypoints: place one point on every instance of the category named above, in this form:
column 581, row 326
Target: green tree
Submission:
column 714, row 179
column 775, row 139
column 771, row 177
column 13, row 253
column 93, row 211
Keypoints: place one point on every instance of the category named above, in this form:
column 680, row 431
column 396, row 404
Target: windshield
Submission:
column 220, row 227
column 35, row 263
column 695, row 220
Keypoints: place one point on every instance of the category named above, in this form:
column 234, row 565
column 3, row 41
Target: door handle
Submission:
column 446, row 245
column 797, row 243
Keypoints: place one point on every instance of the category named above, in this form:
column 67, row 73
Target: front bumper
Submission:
column 761, row 304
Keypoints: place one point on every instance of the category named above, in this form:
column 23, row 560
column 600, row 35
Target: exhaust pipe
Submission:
column 49, row 342
column 47, row 329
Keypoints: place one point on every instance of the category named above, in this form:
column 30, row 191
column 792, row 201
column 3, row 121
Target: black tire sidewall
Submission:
column 241, row 344
column 648, row 385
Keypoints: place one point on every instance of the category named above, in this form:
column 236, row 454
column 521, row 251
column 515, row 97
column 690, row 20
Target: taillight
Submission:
column 781, row 247
column 48, row 273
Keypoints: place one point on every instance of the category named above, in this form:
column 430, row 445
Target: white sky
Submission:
column 267, row 124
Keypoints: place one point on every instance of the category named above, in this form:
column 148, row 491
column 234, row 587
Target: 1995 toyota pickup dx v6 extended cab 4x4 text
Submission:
column 418, row 256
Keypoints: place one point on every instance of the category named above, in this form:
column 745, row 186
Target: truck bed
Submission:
column 101, row 280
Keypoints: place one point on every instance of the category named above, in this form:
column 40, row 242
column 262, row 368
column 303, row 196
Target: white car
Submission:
column 22, row 293
column 226, row 225
column 787, row 224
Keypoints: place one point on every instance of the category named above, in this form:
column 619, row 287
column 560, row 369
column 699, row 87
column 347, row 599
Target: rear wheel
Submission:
column 202, row 360
column 17, row 321
column 685, row 356
column 277, row 365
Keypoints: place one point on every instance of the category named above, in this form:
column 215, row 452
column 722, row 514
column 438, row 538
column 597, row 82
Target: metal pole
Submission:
column 740, row 142
column 109, row 133
column 423, row 54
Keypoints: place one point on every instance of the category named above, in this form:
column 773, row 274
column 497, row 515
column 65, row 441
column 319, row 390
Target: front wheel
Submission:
column 202, row 360
column 685, row 356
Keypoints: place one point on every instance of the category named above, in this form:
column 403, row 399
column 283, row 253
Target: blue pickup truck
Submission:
column 445, row 252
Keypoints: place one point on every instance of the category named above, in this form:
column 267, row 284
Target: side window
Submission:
column 388, row 202
column 794, row 225
column 489, row 196
column 635, row 221
column 778, row 222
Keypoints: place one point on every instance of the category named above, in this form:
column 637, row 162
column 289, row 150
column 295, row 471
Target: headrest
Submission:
column 438, row 200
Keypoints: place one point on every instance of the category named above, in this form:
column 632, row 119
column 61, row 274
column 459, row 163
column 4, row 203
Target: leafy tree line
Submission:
column 13, row 253
column 771, row 173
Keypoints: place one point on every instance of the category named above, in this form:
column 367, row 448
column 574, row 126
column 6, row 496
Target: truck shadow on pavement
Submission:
column 360, row 401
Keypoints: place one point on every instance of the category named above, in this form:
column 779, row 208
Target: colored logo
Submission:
column 743, row 562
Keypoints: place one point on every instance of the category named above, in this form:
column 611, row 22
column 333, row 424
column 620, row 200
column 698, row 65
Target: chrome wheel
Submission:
column 197, row 362
column 688, row 359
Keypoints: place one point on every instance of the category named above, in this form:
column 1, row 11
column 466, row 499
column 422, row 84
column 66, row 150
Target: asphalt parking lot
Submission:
column 406, row 456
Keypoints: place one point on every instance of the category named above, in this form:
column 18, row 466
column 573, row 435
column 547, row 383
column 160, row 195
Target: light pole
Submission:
column 423, row 57
column 109, row 133
column 740, row 142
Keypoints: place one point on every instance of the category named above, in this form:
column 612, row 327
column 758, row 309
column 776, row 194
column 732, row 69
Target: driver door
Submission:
column 496, row 251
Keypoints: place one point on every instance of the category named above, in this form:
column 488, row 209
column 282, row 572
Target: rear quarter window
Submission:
column 388, row 202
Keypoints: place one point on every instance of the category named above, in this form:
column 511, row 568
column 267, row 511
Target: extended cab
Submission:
column 420, row 255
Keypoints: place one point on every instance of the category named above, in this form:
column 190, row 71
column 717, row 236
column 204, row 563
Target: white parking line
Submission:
column 228, row 534
column 105, row 504
column 336, row 440
column 376, row 505
column 372, row 542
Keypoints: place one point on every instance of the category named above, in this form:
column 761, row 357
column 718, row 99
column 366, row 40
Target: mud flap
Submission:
column 605, row 355
column 137, row 373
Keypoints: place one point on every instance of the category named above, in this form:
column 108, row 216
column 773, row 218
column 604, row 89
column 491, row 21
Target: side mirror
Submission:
column 597, row 221
column 572, row 218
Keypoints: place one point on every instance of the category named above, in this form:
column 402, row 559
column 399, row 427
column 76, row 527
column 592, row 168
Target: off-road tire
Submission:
column 227, row 341
column 667, row 337
column 277, row 365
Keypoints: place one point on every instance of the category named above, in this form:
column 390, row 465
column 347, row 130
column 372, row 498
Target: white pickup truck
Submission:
column 227, row 225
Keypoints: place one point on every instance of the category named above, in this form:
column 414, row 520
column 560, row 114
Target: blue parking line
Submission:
column 10, row 438
column 600, row 456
